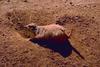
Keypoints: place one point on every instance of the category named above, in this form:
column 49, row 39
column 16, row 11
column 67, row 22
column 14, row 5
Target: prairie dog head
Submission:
column 31, row 27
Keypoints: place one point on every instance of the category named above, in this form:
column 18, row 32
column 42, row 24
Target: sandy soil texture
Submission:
column 82, row 49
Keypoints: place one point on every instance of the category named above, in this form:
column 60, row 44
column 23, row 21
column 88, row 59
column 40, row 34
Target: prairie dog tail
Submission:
column 69, row 34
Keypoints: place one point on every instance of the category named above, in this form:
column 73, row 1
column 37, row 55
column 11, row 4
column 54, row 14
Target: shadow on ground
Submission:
column 57, row 44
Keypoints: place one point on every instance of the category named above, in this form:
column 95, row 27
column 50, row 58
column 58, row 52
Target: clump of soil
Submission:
column 18, row 19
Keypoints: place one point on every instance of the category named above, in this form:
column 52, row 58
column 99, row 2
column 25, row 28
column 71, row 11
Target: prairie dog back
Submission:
column 51, row 30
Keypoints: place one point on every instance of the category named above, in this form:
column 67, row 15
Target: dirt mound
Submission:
column 83, row 18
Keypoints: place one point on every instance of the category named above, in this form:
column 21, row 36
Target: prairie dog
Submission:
column 46, row 31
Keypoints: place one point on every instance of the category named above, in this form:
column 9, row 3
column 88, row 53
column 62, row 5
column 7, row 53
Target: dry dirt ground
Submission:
column 82, row 48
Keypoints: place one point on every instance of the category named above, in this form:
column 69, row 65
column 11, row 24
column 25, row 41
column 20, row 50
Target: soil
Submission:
column 81, row 49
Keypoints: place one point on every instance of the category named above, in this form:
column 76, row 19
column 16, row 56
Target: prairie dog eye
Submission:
column 31, row 26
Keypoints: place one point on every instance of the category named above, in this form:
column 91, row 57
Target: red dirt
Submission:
column 80, row 15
